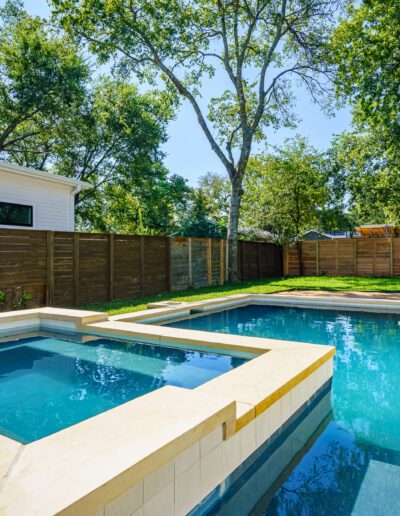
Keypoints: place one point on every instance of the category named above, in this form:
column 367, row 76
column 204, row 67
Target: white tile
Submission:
column 248, row 442
column 211, row 470
column 210, row 441
column 331, row 366
column 126, row 504
column 187, row 490
column 298, row 396
column 139, row 512
column 162, row 504
column 286, row 407
column 230, row 454
column 187, row 458
column 262, row 428
column 274, row 416
column 158, row 480
column 319, row 377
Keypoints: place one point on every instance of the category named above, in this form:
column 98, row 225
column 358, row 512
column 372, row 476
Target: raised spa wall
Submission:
column 174, row 450
column 205, row 468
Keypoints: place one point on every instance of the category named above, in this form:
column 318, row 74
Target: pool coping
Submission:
column 99, row 470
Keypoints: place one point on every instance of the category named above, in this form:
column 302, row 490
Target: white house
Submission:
column 32, row 199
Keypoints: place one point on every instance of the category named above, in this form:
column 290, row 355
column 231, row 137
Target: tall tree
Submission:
column 258, row 44
column 366, row 51
column 41, row 75
column 287, row 192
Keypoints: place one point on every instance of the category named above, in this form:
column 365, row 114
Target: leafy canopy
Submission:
column 366, row 51
column 41, row 76
column 288, row 192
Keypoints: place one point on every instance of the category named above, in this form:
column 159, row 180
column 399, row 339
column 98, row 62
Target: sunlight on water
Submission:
column 354, row 465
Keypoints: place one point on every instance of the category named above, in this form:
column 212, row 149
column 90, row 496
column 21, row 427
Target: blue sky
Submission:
column 187, row 150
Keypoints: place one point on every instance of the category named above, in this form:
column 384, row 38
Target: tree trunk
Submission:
column 233, row 226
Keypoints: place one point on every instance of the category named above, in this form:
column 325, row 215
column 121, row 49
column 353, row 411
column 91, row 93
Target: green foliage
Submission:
column 288, row 192
column 216, row 190
column 150, row 207
column 2, row 296
column 369, row 175
column 20, row 299
column 41, row 76
column 195, row 222
column 366, row 50
column 53, row 117
column 258, row 47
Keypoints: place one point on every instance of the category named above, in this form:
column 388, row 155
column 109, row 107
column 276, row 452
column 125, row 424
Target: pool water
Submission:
column 354, row 465
column 48, row 383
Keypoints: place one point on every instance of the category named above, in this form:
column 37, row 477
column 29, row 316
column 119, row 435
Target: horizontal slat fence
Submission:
column 344, row 257
column 73, row 269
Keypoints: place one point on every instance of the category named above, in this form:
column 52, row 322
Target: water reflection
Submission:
column 360, row 449
column 48, row 383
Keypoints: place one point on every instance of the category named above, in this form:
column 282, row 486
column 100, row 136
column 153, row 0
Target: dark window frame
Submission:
column 18, row 205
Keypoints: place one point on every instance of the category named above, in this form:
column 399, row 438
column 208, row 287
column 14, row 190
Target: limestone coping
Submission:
column 100, row 458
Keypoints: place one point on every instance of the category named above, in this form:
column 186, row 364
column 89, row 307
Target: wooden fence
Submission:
column 73, row 269
column 344, row 257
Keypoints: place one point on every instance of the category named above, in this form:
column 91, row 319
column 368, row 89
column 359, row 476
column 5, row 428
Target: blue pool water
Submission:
column 354, row 465
column 48, row 383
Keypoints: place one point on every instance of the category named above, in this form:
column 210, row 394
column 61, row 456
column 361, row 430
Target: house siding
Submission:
column 51, row 201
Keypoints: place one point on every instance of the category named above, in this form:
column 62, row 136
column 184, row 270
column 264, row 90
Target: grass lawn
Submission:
column 264, row 286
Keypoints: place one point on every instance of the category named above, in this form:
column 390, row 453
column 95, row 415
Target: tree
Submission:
column 370, row 175
column 195, row 222
column 366, row 51
column 216, row 190
column 153, row 208
column 41, row 76
column 287, row 193
column 257, row 44
column 114, row 136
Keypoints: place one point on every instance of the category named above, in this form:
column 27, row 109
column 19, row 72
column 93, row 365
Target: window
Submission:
column 15, row 214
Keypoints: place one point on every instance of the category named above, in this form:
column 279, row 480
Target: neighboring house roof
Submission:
column 317, row 233
column 40, row 174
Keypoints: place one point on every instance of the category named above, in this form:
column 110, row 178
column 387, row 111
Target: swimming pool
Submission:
column 354, row 465
column 50, row 381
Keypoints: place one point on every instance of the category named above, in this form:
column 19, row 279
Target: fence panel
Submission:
column 378, row 257
column 73, row 269
column 127, row 267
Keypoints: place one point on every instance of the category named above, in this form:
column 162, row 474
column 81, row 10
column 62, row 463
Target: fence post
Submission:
column 169, row 265
column 221, row 262
column 391, row 256
column 141, row 264
column 209, row 261
column 190, row 272
column 50, row 268
column 317, row 256
column 285, row 260
column 76, row 269
column 241, row 255
column 258, row 260
column 355, row 257
column 336, row 257
column 226, row 259
column 111, row 267
column 374, row 259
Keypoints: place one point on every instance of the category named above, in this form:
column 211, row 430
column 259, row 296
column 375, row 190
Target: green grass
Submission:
column 264, row 286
